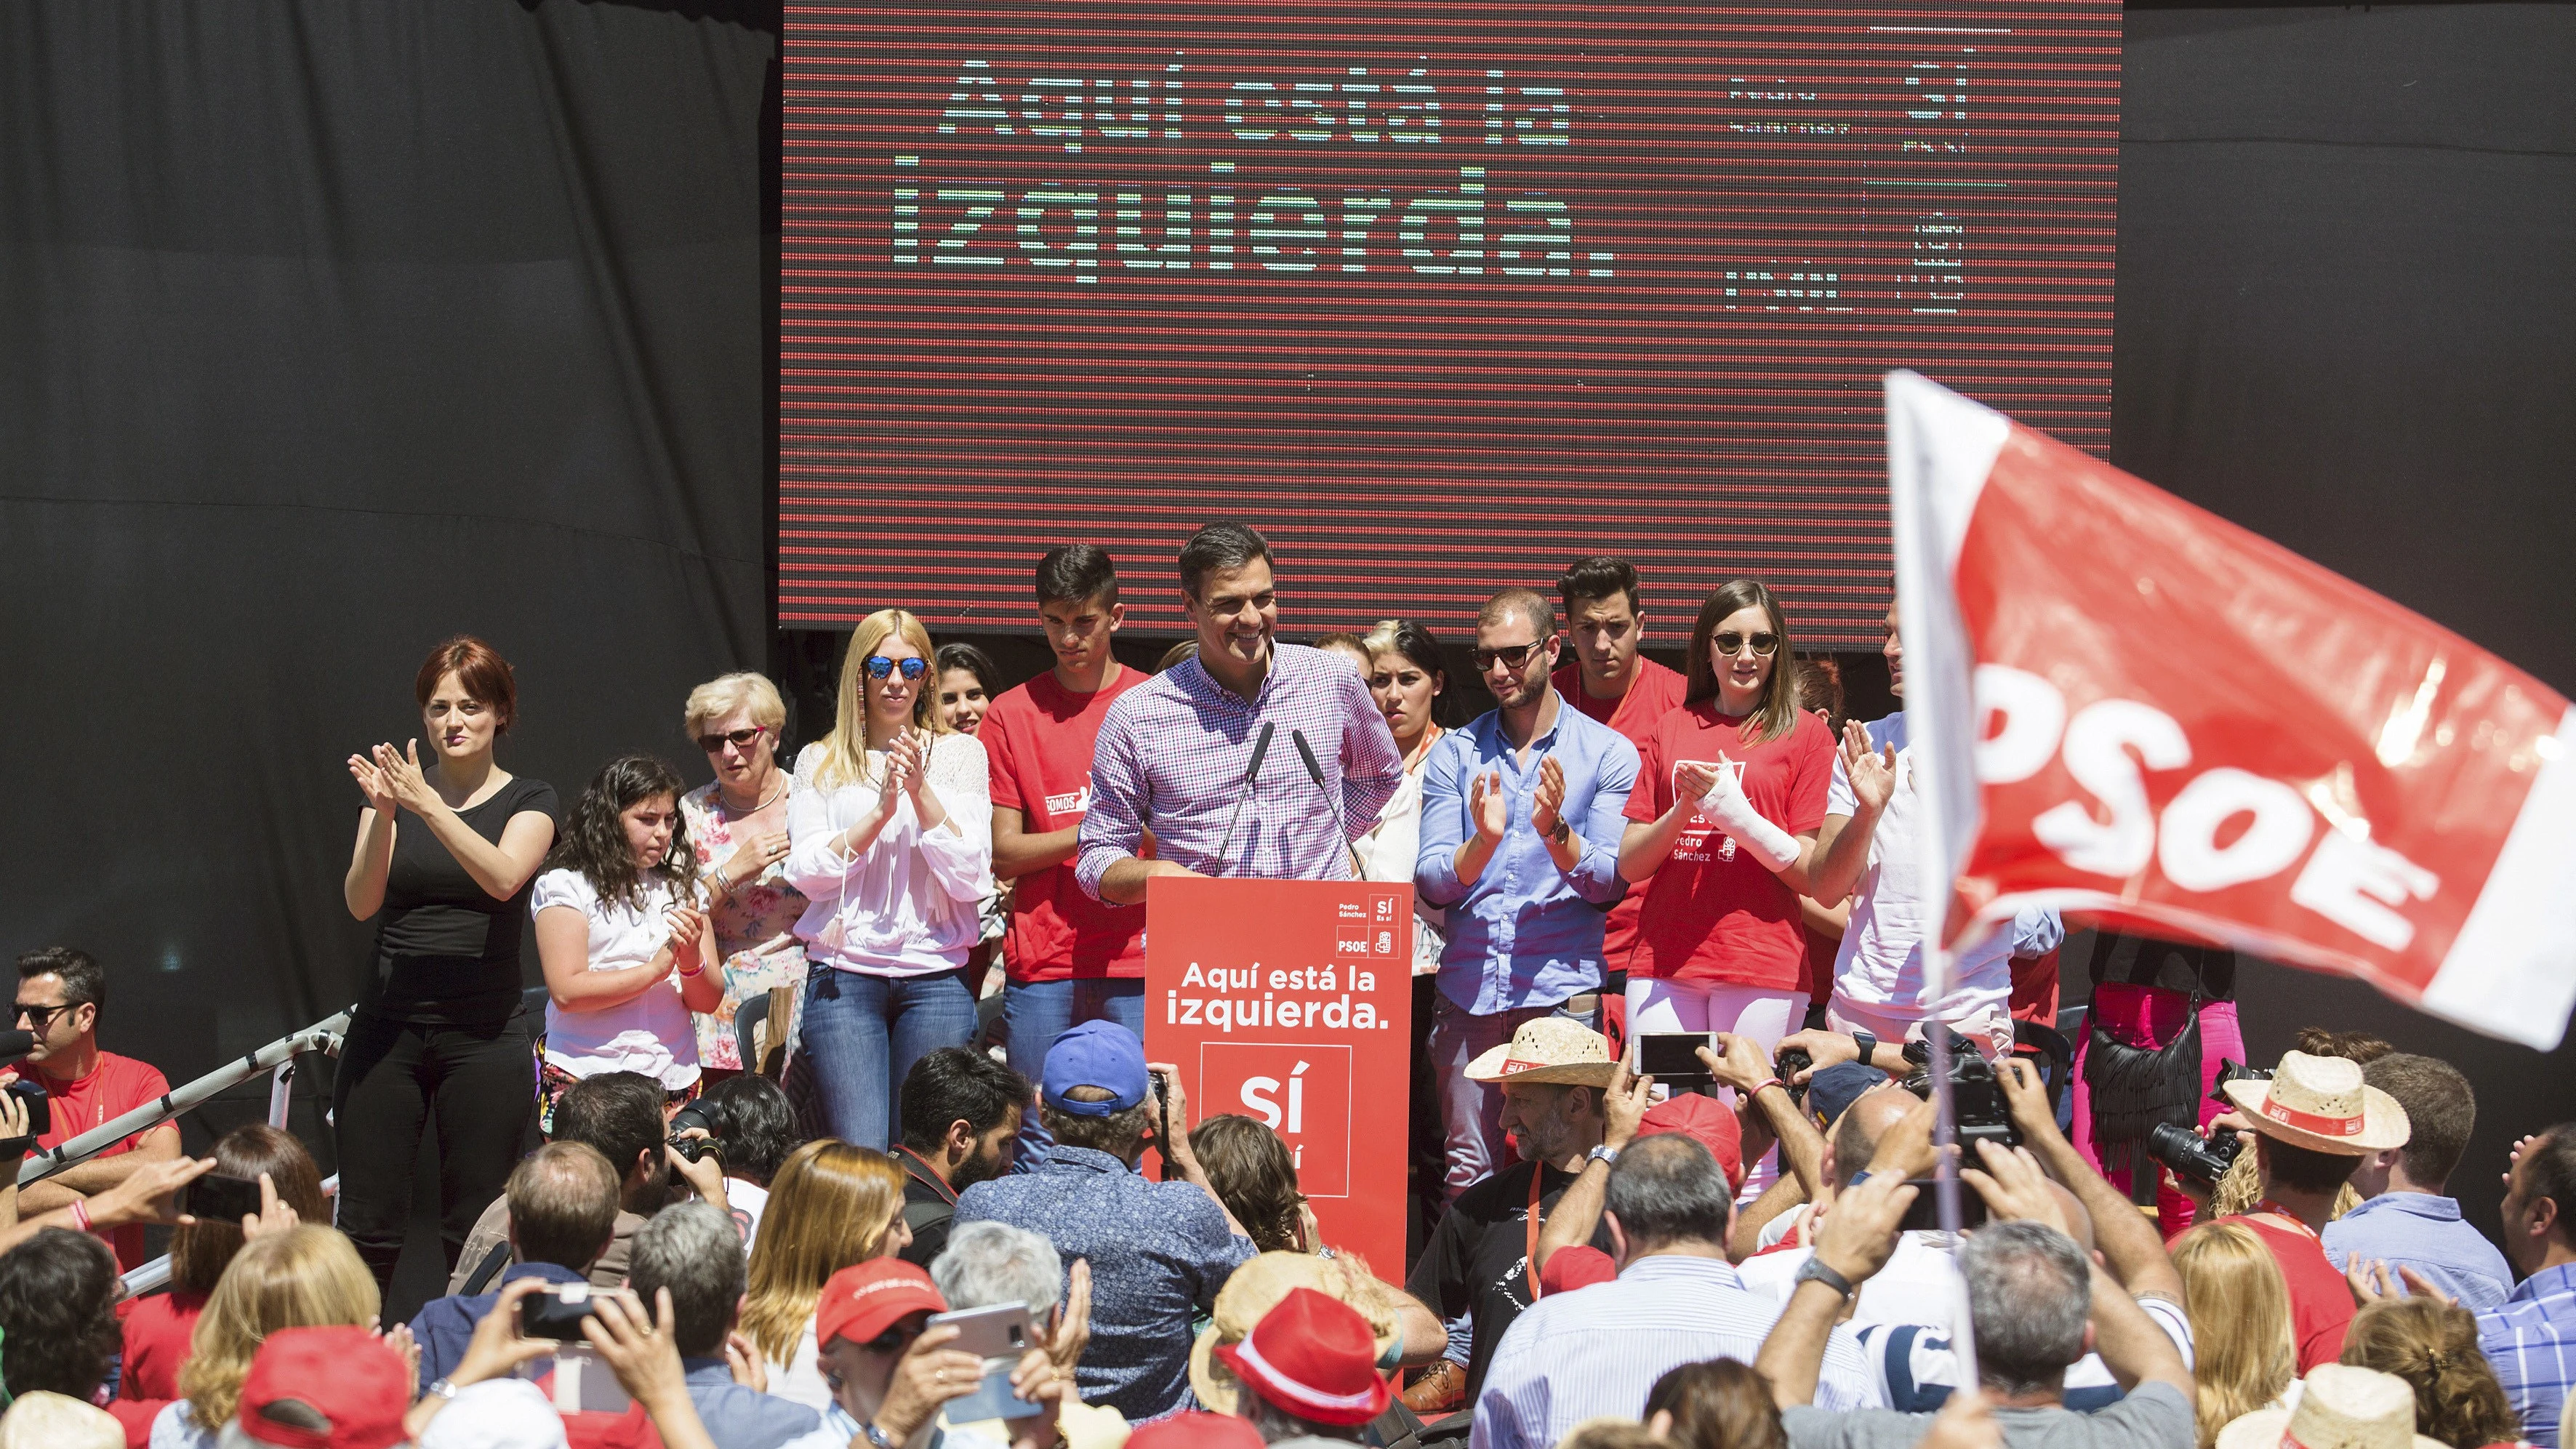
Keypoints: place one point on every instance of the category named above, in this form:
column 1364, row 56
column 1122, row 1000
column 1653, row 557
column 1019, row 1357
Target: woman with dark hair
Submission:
column 156, row 1332
column 625, row 947
column 1253, row 1174
column 892, row 824
column 968, row 682
column 444, row 860
column 57, row 1314
column 1730, row 794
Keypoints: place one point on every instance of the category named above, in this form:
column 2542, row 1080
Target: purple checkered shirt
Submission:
column 1172, row 755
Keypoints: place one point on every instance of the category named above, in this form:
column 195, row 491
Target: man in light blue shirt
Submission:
column 1522, row 812
column 2406, row 1217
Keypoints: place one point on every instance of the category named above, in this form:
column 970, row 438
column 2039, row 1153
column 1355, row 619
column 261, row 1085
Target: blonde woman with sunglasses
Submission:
column 890, row 828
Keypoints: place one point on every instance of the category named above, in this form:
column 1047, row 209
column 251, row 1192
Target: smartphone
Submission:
column 1672, row 1057
column 583, row 1381
column 998, row 1335
column 556, row 1312
column 216, row 1198
column 1925, row 1215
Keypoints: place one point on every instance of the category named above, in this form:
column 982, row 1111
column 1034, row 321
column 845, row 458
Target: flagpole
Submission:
column 1945, row 1135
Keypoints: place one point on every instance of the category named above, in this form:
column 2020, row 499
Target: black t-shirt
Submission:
column 2209, row 971
column 1478, row 1258
column 446, row 952
column 929, row 1209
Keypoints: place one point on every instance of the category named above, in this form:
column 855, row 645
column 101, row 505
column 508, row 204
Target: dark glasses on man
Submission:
column 41, row 1017
column 1731, row 643
column 880, row 666
column 1510, row 656
column 739, row 739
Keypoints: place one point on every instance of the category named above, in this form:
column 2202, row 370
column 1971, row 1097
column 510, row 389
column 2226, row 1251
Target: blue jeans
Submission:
column 861, row 1035
column 1036, row 1014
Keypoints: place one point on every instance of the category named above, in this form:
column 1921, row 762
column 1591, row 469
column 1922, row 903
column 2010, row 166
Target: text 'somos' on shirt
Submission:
column 1040, row 739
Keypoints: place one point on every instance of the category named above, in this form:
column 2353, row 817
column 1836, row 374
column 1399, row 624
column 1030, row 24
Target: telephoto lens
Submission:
column 693, row 1148
column 2186, row 1152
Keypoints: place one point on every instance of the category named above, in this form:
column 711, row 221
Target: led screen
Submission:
column 1437, row 295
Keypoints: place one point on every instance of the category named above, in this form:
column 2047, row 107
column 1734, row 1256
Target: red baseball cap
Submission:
column 325, row 1388
column 865, row 1300
column 1313, row 1356
column 1702, row 1120
column 1197, row 1429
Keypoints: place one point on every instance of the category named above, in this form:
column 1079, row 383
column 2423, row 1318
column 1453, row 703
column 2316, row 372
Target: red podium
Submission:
column 1291, row 1002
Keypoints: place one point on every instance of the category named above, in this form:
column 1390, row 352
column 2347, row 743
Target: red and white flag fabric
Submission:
column 2123, row 705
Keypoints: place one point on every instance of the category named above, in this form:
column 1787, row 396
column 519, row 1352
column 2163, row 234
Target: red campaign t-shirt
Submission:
column 2321, row 1306
column 1039, row 738
column 115, row 1086
column 1713, row 913
column 157, row 1335
column 1654, row 693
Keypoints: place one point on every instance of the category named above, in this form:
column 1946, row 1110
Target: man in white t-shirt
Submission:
column 1879, row 986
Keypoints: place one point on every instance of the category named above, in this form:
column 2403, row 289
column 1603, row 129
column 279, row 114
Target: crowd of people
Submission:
column 772, row 1170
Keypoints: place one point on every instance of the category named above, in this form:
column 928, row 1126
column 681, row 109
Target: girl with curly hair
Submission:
column 624, row 940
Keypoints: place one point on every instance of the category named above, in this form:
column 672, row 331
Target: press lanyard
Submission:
column 1529, row 1222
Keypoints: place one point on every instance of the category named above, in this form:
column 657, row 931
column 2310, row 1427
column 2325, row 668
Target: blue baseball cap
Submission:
column 1831, row 1092
column 1099, row 1054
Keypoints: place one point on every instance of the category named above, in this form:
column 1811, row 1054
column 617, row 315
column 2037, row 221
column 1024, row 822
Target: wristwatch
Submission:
column 1868, row 1044
column 1815, row 1271
column 1603, row 1154
column 442, row 1389
column 1564, row 828
column 877, row 1437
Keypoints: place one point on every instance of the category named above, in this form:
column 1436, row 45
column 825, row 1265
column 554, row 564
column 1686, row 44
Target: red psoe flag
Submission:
column 2122, row 704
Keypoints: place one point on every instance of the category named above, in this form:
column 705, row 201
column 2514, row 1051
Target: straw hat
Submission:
column 1248, row 1296
column 1548, row 1049
column 2320, row 1103
column 2340, row 1407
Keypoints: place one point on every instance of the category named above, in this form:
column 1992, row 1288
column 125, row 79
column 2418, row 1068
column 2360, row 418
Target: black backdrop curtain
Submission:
column 327, row 331
column 2346, row 321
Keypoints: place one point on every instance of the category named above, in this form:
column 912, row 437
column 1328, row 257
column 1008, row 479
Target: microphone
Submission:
column 1315, row 772
column 1261, row 746
column 1251, row 773
column 14, row 1045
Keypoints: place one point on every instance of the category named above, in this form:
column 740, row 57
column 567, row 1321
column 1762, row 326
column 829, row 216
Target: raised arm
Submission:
column 1854, row 1241
column 2129, row 1243
column 1578, row 1211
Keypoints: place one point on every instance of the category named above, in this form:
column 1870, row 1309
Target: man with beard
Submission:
column 1522, row 813
column 960, row 1110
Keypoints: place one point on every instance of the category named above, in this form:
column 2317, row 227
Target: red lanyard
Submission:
column 2285, row 1215
column 937, row 1183
column 1529, row 1248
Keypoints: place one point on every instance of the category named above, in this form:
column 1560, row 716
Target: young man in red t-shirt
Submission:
column 1069, row 958
column 1609, row 681
column 61, row 992
column 2313, row 1124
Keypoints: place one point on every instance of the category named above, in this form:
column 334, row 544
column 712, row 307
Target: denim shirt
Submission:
column 1525, row 933
column 741, row 1418
column 1159, row 1251
column 444, row 1326
column 2425, row 1233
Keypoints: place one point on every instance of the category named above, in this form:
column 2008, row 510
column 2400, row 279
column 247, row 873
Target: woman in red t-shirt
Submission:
column 1730, row 794
column 158, row 1329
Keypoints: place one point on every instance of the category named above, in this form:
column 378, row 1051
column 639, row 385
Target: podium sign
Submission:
column 1290, row 1002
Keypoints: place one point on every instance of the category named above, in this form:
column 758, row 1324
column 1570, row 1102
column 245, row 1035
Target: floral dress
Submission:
column 754, row 930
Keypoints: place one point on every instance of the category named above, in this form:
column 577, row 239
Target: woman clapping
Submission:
column 891, row 818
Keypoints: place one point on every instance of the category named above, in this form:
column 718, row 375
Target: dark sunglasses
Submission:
column 1731, row 643
column 880, row 666
column 41, row 1017
column 1510, row 656
column 739, row 739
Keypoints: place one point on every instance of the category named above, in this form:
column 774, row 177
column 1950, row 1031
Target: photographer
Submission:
column 563, row 1206
column 1158, row 1251
column 619, row 1116
column 2037, row 1305
column 2311, row 1127
column 61, row 994
column 752, row 1128
column 484, row 1404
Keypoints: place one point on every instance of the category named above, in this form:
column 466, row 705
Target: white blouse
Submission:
column 651, row 1033
column 909, row 905
column 1387, row 853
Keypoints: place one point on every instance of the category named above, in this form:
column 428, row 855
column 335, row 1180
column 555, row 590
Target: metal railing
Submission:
column 282, row 1059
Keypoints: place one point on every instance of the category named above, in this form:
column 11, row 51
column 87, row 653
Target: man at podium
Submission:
column 1254, row 758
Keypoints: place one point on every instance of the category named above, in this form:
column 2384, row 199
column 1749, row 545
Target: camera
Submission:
column 2191, row 1155
column 1978, row 1107
column 2235, row 1071
column 694, row 1148
column 1789, row 1063
column 40, row 1114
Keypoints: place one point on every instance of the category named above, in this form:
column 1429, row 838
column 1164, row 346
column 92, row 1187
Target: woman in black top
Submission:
column 443, row 862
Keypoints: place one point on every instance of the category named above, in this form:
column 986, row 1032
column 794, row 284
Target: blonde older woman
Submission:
column 738, row 825
column 891, row 819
